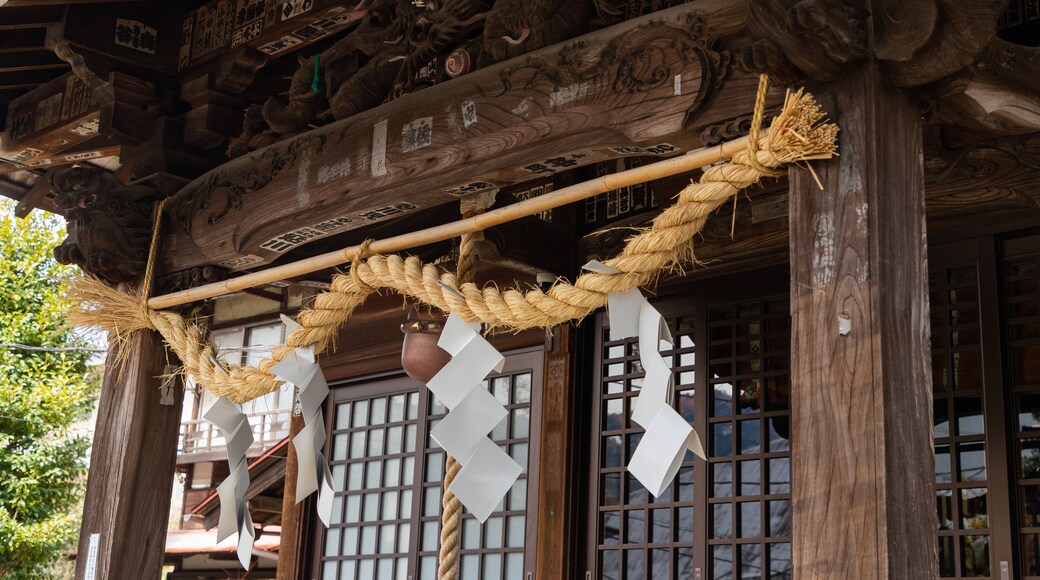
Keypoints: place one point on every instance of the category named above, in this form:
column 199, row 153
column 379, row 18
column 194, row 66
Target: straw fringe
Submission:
column 798, row 134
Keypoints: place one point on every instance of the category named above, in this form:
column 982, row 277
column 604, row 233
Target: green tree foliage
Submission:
column 42, row 394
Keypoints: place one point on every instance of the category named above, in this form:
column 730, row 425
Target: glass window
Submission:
column 388, row 475
column 494, row 551
column 738, row 504
column 749, row 480
column 960, row 449
column 372, row 513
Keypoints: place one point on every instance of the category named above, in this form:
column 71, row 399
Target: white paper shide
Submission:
column 487, row 471
column 668, row 435
column 234, row 514
column 313, row 475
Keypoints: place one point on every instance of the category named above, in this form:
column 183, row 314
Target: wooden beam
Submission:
column 12, row 189
column 132, row 462
column 55, row 117
column 563, row 106
column 266, row 503
column 22, row 49
column 528, row 207
column 26, row 78
column 27, row 59
column 9, row 94
column 17, row 18
column 862, row 465
column 24, row 3
column 85, row 153
column 292, row 551
column 35, row 197
column 28, row 39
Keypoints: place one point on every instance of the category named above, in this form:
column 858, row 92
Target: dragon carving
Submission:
column 391, row 43
column 109, row 222
column 394, row 42
column 515, row 27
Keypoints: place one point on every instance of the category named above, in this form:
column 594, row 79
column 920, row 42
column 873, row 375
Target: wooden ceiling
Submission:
column 25, row 61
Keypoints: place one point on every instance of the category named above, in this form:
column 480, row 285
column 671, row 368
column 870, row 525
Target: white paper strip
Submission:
column 472, row 359
column 313, row 474
column 487, row 472
column 485, row 479
column 623, row 309
column 461, row 431
column 234, row 514
column 658, row 381
column 660, row 452
column 600, row 268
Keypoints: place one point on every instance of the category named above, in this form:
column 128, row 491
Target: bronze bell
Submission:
column 421, row 358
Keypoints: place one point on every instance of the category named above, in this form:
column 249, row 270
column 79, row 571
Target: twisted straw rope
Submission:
column 797, row 134
column 451, row 507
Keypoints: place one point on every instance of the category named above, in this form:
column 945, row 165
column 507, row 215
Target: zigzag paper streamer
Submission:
column 313, row 475
column 659, row 454
column 487, row 472
column 238, row 436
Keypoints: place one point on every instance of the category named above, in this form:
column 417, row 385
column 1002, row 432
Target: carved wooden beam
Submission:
column 916, row 41
column 624, row 90
column 84, row 153
column 995, row 96
column 57, row 116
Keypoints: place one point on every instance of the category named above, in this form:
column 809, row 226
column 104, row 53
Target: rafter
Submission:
column 16, row 17
column 27, row 78
column 25, row 59
column 23, row 40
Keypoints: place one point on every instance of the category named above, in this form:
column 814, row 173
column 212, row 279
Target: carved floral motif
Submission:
column 628, row 63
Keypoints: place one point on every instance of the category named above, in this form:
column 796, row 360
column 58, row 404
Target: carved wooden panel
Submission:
column 274, row 27
column 57, row 116
column 622, row 91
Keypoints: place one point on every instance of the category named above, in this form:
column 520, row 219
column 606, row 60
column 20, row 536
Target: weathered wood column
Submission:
column 132, row 465
column 295, row 535
column 862, row 463
column 292, row 549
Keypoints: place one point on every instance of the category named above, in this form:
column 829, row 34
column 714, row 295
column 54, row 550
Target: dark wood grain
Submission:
column 292, row 552
column 132, row 464
column 862, row 462
column 577, row 100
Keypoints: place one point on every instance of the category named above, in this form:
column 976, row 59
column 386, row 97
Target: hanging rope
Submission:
column 451, row 507
column 797, row 134
column 153, row 251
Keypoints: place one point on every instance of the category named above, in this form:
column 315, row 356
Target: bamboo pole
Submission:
column 690, row 161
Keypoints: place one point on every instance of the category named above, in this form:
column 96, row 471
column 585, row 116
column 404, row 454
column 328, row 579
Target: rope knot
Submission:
column 756, row 129
column 362, row 253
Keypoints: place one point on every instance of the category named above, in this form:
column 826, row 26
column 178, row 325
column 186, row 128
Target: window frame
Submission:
column 689, row 299
column 396, row 382
column 985, row 256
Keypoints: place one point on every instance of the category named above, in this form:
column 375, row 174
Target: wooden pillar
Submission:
column 132, row 463
column 861, row 461
column 557, row 475
column 292, row 549
column 296, row 533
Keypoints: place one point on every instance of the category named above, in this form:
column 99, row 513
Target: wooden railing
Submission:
column 200, row 440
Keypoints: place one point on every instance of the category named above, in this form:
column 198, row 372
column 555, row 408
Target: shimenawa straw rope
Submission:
column 799, row 133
